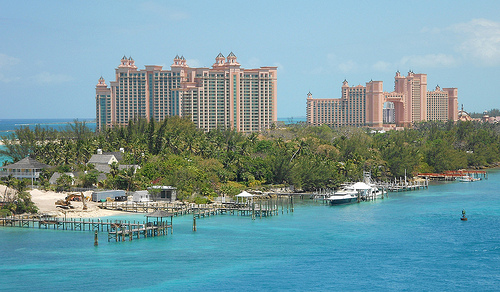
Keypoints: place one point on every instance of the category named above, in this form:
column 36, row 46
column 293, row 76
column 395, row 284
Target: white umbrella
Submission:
column 244, row 194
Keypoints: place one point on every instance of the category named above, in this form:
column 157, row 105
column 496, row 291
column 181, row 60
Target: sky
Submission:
column 52, row 53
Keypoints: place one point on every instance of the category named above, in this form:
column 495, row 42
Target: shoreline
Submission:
column 45, row 202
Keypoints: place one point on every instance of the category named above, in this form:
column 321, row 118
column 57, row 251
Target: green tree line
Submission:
column 223, row 161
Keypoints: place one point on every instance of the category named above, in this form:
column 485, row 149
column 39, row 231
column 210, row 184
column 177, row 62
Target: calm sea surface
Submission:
column 8, row 127
column 410, row 241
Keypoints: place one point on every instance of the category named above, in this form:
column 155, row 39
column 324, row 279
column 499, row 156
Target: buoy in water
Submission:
column 463, row 218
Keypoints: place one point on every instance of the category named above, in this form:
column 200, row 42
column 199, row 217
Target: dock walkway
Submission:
column 116, row 229
column 454, row 174
column 256, row 207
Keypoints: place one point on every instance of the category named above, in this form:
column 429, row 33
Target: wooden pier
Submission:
column 258, row 206
column 403, row 186
column 454, row 174
column 397, row 185
column 116, row 229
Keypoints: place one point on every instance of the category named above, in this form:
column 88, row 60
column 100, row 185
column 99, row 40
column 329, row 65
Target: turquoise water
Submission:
column 8, row 127
column 2, row 157
column 410, row 241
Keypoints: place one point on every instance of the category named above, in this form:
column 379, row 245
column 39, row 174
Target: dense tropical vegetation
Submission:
column 174, row 152
column 492, row 113
column 15, row 198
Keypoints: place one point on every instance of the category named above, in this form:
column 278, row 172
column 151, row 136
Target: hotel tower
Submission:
column 369, row 105
column 224, row 96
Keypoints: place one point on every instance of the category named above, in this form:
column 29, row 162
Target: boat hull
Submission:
column 342, row 201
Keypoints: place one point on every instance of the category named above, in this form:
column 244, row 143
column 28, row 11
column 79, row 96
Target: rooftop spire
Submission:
column 231, row 60
column 219, row 60
column 101, row 82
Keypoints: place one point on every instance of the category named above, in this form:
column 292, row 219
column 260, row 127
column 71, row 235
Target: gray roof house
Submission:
column 102, row 159
column 102, row 162
column 25, row 168
column 56, row 175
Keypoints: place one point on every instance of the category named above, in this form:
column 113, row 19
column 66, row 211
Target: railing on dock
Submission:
column 397, row 185
column 116, row 229
column 257, row 206
column 454, row 174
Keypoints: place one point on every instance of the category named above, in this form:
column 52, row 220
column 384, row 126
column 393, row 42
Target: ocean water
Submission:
column 409, row 241
column 8, row 127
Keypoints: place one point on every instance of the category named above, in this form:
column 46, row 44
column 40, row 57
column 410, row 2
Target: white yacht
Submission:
column 356, row 192
column 345, row 196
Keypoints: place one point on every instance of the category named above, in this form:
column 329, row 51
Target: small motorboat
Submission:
column 463, row 218
column 467, row 178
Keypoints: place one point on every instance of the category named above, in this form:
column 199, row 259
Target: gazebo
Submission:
column 25, row 168
column 161, row 227
column 246, row 195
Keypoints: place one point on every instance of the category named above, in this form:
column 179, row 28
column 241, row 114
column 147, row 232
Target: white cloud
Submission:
column 480, row 40
column 383, row 66
column 417, row 62
column 164, row 11
column 280, row 66
column 426, row 61
column 5, row 79
column 194, row 63
column 431, row 30
column 348, row 66
column 253, row 63
column 345, row 66
column 49, row 78
column 7, row 61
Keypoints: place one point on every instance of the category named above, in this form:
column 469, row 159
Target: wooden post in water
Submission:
column 96, row 242
column 194, row 223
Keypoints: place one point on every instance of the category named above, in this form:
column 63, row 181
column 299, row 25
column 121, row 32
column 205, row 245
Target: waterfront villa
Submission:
column 25, row 168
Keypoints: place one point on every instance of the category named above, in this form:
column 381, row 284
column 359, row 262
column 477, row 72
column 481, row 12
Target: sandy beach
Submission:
column 45, row 201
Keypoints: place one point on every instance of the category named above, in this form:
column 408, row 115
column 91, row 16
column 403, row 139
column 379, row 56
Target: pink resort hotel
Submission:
column 225, row 95
column 370, row 106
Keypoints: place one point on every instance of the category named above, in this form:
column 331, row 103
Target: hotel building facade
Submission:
column 369, row 105
column 224, row 96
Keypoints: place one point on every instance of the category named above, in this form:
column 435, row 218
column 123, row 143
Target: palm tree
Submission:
column 114, row 169
column 128, row 175
column 8, row 182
